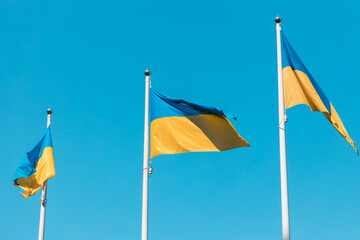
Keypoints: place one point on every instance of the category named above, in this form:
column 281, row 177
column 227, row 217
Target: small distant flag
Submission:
column 301, row 88
column 36, row 167
column 179, row 126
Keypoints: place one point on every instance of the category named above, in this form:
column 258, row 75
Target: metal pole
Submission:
column 145, row 200
column 43, row 193
column 282, row 120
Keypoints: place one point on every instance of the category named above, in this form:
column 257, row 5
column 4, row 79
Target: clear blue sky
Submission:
column 86, row 60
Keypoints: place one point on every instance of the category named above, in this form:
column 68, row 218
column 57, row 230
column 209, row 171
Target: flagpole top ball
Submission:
column 278, row 19
column 49, row 111
column 147, row 72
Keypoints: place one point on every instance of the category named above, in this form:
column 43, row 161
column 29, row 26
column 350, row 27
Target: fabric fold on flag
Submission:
column 179, row 126
column 36, row 167
column 301, row 88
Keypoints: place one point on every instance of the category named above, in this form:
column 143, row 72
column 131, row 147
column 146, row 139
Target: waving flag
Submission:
column 301, row 88
column 179, row 126
column 36, row 167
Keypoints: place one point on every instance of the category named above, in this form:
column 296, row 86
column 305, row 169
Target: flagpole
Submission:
column 145, row 200
column 43, row 193
column 282, row 120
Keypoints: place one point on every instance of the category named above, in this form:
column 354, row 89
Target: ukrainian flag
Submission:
column 179, row 126
column 301, row 88
column 36, row 167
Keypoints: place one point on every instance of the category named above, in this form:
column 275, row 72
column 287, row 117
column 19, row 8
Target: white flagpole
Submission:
column 43, row 193
column 145, row 200
column 282, row 120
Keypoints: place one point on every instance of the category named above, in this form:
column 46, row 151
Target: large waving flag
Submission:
column 179, row 126
column 301, row 88
column 36, row 167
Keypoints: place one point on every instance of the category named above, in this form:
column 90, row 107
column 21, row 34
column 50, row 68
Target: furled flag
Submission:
column 179, row 126
column 36, row 167
column 301, row 88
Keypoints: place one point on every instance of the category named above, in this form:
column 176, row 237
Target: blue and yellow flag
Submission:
column 301, row 88
column 178, row 126
column 36, row 167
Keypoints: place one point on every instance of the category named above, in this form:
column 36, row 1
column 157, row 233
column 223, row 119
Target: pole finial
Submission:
column 49, row 111
column 147, row 72
column 278, row 19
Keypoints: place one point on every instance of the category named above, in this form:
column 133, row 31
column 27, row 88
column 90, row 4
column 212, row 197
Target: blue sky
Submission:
column 86, row 60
